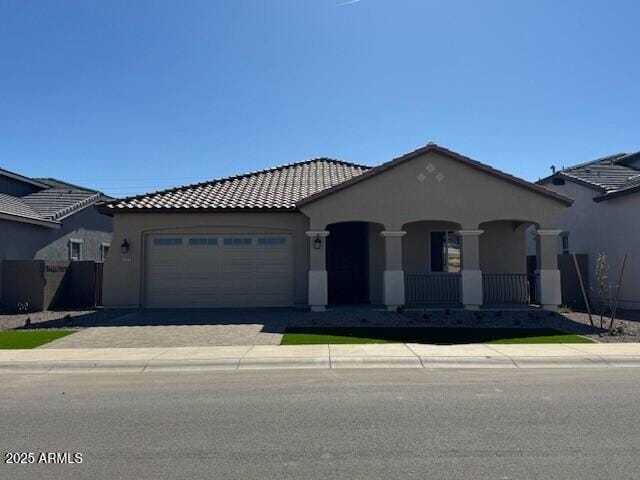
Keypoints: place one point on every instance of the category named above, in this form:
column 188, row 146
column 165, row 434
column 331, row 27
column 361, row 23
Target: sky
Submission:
column 134, row 96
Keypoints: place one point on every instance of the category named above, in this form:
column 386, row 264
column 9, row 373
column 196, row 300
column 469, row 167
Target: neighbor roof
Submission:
column 57, row 203
column 22, row 178
column 612, row 176
column 277, row 188
column 48, row 206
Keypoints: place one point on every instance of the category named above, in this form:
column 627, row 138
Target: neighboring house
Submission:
column 429, row 227
column 48, row 219
column 605, row 217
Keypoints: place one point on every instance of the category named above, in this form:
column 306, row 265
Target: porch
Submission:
column 431, row 264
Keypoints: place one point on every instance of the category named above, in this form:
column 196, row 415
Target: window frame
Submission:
column 101, row 248
column 79, row 242
column 237, row 241
column 203, row 242
column 444, row 253
column 564, row 239
column 168, row 242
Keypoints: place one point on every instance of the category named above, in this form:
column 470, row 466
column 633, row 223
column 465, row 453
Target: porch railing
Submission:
column 506, row 289
column 433, row 289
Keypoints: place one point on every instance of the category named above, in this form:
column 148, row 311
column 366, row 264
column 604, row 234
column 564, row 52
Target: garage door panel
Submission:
column 219, row 270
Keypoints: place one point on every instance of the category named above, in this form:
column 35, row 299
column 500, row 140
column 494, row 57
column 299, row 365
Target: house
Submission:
column 431, row 227
column 604, row 217
column 48, row 219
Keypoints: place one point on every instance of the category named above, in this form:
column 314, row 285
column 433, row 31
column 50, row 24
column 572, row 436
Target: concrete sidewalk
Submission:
column 397, row 355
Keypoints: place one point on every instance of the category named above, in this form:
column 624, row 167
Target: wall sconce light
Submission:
column 317, row 242
column 125, row 246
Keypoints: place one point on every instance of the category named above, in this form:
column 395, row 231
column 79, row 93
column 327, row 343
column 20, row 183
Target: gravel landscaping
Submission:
column 57, row 319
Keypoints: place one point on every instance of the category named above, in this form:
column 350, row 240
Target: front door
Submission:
column 348, row 263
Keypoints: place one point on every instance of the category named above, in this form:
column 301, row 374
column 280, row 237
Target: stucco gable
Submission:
column 433, row 148
column 435, row 184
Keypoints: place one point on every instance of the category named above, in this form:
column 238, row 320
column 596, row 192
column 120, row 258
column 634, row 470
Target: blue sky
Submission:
column 132, row 96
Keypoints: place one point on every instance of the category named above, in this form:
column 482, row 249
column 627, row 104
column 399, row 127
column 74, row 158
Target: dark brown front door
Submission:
column 348, row 263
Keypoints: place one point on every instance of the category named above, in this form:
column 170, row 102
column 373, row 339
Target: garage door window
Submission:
column 167, row 242
column 203, row 241
column 237, row 241
column 272, row 241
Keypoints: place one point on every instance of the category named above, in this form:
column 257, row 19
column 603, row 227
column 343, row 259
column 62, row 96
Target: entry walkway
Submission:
column 398, row 355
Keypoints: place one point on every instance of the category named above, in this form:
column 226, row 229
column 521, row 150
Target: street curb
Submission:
column 375, row 362
column 201, row 359
column 467, row 362
column 274, row 363
column 192, row 365
column 559, row 362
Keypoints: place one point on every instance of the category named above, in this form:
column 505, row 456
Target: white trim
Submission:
column 79, row 209
column 101, row 246
column 469, row 233
column 80, row 242
column 33, row 221
column 393, row 233
column 549, row 232
column 317, row 233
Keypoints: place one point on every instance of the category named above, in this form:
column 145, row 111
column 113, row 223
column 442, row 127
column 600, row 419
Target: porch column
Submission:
column 317, row 269
column 393, row 276
column 471, row 275
column 547, row 274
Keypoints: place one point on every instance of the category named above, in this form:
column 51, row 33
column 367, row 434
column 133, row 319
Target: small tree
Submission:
column 602, row 280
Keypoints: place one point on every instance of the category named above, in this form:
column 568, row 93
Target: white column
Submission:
column 471, row 275
column 318, row 291
column 547, row 274
column 393, row 276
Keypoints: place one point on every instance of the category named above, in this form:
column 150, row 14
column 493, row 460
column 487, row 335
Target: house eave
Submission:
column 616, row 194
column 31, row 221
column 119, row 211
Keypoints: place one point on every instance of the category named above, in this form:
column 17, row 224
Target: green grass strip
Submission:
column 16, row 339
column 435, row 335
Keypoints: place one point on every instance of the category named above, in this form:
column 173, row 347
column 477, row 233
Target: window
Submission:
column 75, row 249
column 104, row 250
column 445, row 252
column 564, row 239
column 272, row 241
column 203, row 241
column 165, row 242
column 237, row 241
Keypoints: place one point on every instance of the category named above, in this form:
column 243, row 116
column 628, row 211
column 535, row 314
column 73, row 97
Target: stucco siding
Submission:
column 611, row 227
column 432, row 187
column 503, row 248
column 22, row 241
column 124, row 274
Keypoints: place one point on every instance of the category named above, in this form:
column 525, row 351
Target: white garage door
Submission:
column 218, row 270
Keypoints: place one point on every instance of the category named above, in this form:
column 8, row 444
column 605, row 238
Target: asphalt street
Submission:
column 349, row 424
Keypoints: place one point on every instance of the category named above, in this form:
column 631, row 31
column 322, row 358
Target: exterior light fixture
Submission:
column 125, row 246
column 317, row 242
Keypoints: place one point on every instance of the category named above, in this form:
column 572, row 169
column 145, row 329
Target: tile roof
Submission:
column 612, row 176
column 52, row 203
column 57, row 203
column 10, row 205
column 278, row 188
